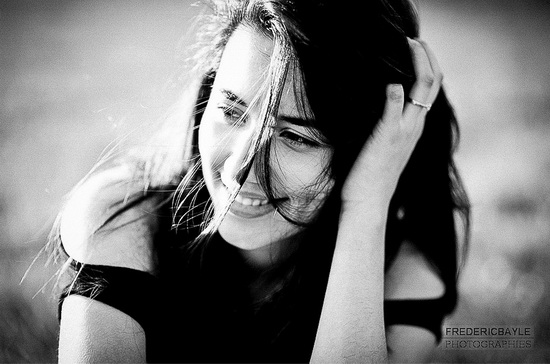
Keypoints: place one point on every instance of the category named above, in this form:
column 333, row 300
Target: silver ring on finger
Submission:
column 422, row 105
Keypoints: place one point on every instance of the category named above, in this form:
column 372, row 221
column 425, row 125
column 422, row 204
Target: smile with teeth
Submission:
column 250, row 201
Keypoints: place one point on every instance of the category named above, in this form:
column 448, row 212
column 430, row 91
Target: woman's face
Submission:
column 297, row 157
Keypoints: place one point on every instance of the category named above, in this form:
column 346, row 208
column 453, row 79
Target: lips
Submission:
column 250, row 211
column 249, row 206
column 249, row 203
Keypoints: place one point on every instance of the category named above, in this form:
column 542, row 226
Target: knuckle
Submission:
column 427, row 79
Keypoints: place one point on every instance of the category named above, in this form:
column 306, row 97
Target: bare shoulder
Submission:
column 96, row 228
column 92, row 331
column 411, row 276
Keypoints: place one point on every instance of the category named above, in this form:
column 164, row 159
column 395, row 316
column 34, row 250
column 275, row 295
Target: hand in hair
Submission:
column 375, row 173
column 351, row 328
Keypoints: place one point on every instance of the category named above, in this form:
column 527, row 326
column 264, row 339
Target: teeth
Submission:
column 249, row 201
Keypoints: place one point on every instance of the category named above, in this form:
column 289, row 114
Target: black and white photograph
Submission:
column 274, row 181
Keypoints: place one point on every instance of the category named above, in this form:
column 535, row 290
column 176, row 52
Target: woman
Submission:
column 301, row 209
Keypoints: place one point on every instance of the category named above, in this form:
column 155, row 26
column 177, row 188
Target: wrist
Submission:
column 373, row 195
column 363, row 223
column 366, row 208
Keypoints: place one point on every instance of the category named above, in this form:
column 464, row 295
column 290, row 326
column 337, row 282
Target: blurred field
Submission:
column 74, row 75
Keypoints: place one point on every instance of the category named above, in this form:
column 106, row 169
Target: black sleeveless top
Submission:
column 208, row 317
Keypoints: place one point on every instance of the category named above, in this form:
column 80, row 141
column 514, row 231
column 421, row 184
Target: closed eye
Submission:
column 231, row 114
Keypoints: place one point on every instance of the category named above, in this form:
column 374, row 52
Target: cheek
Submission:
column 303, row 178
column 206, row 133
column 209, row 141
column 210, row 153
column 303, row 172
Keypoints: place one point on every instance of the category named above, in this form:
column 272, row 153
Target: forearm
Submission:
column 351, row 328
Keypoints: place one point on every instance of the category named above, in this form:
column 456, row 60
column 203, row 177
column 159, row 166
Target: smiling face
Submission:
column 298, row 158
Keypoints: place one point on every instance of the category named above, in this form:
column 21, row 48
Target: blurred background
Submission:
column 75, row 75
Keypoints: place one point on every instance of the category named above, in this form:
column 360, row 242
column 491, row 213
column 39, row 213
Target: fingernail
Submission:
column 394, row 91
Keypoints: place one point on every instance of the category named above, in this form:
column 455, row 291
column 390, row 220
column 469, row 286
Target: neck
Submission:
column 272, row 255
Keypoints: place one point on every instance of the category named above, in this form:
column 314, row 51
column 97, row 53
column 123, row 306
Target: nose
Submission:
column 238, row 165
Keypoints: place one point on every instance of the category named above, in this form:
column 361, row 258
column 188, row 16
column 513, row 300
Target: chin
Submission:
column 247, row 234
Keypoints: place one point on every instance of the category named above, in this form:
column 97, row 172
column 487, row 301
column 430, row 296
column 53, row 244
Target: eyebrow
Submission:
column 229, row 95
column 233, row 98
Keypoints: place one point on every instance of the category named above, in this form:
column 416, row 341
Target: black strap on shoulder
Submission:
column 137, row 294
column 131, row 291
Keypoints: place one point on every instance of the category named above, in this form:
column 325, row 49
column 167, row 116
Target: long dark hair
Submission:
column 345, row 58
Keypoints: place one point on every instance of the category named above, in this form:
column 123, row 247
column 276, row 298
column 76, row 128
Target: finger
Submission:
column 438, row 75
column 425, row 81
column 395, row 99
